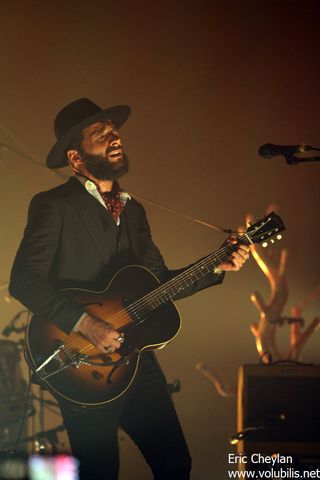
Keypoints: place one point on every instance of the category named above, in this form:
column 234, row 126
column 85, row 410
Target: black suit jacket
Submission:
column 71, row 241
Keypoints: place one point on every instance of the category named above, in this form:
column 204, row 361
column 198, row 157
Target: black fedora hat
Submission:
column 73, row 118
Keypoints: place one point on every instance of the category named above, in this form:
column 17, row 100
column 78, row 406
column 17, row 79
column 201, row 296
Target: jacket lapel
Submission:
column 96, row 221
column 134, row 229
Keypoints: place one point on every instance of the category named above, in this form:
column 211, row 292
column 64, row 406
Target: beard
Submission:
column 101, row 168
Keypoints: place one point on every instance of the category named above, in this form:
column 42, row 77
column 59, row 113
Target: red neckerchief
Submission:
column 113, row 201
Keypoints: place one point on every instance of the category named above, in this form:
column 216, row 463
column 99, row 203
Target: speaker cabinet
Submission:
column 279, row 410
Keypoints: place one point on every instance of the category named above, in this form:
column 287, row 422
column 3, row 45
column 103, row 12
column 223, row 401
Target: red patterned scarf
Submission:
column 113, row 201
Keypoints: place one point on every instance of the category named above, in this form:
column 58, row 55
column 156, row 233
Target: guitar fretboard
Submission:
column 172, row 288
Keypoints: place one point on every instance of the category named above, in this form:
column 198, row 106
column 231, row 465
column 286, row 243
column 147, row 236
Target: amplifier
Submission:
column 279, row 410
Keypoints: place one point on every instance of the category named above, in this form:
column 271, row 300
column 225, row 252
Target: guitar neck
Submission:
column 169, row 290
column 260, row 232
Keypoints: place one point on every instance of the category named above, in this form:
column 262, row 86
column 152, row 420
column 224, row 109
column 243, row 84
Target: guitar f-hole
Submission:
column 109, row 377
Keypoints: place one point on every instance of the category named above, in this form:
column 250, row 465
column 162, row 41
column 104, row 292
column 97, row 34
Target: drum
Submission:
column 13, row 387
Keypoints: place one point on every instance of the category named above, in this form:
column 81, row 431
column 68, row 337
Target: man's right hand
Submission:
column 103, row 337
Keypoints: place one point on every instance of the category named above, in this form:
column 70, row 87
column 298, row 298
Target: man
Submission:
column 78, row 235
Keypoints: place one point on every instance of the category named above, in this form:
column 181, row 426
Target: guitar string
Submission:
column 148, row 299
column 208, row 261
column 122, row 314
column 145, row 301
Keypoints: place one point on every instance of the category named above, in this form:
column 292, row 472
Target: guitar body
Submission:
column 88, row 385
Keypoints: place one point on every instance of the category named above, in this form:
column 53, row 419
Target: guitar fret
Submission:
column 175, row 286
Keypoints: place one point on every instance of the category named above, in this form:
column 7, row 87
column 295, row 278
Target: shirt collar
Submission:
column 93, row 189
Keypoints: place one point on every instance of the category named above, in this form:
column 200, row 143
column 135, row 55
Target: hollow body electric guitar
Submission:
column 139, row 308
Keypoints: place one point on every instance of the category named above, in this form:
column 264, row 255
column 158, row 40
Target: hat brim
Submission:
column 57, row 156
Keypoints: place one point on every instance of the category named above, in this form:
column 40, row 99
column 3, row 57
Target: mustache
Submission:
column 112, row 149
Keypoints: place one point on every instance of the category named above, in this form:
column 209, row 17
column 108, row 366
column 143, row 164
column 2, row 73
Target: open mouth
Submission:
column 115, row 153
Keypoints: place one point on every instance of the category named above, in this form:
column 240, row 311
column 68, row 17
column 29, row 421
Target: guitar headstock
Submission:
column 263, row 230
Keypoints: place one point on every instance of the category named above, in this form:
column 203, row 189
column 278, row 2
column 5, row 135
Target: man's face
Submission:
column 101, row 151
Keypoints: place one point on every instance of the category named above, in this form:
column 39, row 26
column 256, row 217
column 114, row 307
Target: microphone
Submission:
column 269, row 150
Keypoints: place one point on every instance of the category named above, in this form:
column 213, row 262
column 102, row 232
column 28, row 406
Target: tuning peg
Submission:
column 265, row 244
column 272, row 240
column 279, row 237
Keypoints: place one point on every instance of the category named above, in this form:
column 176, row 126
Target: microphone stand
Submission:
column 292, row 160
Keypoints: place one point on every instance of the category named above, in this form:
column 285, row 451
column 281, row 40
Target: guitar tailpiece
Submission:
column 51, row 357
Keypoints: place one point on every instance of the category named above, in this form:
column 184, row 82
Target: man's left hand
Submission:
column 236, row 259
